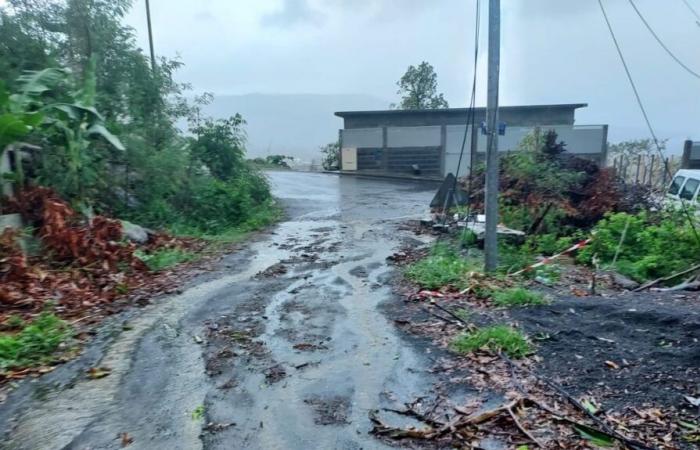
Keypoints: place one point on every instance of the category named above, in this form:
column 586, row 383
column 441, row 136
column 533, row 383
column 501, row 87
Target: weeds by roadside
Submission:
column 264, row 215
column 165, row 258
column 35, row 344
column 518, row 296
column 497, row 338
column 444, row 266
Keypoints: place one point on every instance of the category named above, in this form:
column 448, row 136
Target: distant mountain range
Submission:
column 290, row 124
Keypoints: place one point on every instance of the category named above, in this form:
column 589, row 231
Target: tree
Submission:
column 278, row 160
column 220, row 146
column 418, row 88
column 331, row 160
column 636, row 147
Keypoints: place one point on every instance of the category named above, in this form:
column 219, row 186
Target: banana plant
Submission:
column 74, row 122
column 15, row 124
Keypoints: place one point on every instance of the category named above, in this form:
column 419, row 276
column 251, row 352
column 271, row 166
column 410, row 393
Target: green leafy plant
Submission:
column 442, row 267
column 35, row 344
column 597, row 438
column 655, row 245
column 165, row 258
column 198, row 413
column 467, row 238
column 497, row 338
column 518, row 297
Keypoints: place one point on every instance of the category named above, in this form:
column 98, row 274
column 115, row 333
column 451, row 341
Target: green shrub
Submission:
column 497, row 338
column 443, row 267
column 467, row 238
column 35, row 344
column 518, row 297
column 164, row 258
column 656, row 244
column 513, row 257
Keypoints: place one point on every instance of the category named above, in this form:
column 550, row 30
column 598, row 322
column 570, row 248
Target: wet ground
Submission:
column 628, row 350
column 284, row 347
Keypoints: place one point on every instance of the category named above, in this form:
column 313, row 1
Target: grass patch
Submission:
column 518, row 297
column 263, row 216
column 442, row 267
column 198, row 413
column 498, row 338
column 164, row 258
column 464, row 314
column 35, row 344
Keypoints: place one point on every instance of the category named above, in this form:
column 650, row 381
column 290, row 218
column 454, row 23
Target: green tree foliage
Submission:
column 143, row 169
column 418, row 88
column 220, row 146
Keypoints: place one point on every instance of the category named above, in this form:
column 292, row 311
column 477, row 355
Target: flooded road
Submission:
column 285, row 347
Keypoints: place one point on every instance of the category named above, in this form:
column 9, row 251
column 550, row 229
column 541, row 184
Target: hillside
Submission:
column 292, row 124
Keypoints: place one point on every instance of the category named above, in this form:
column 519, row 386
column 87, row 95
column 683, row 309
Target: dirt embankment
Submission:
column 631, row 350
column 632, row 359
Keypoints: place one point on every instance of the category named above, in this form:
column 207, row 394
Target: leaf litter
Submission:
column 554, row 400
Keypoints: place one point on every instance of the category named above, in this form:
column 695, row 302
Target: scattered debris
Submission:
column 96, row 373
column 213, row 427
column 126, row 440
column 333, row 410
column 275, row 374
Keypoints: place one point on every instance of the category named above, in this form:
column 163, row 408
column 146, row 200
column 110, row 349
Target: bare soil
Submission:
column 630, row 350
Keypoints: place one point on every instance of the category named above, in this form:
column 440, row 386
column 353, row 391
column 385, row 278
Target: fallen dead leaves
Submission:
column 95, row 373
column 82, row 271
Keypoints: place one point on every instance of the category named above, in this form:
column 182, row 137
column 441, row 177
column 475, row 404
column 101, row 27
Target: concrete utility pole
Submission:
column 150, row 36
column 491, row 195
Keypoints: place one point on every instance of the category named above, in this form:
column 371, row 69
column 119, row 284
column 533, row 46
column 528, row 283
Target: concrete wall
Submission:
column 586, row 141
column 362, row 137
column 393, row 141
column 413, row 136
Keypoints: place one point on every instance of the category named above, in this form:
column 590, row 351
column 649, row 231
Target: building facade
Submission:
column 429, row 142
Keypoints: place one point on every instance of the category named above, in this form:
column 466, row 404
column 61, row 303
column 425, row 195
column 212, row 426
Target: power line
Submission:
column 646, row 116
column 661, row 43
column 472, row 102
column 692, row 10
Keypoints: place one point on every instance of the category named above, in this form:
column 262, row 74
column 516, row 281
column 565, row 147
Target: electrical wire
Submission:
column 646, row 116
column 661, row 43
column 471, row 110
column 692, row 10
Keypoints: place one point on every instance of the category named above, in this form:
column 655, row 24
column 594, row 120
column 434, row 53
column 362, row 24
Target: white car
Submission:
column 686, row 186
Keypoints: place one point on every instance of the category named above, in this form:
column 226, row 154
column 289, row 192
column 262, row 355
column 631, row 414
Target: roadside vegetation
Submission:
column 91, row 147
column 518, row 296
column 272, row 162
column 34, row 343
column 559, row 200
column 444, row 266
column 496, row 338
column 165, row 258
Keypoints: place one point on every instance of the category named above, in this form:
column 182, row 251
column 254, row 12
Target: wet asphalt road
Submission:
column 285, row 347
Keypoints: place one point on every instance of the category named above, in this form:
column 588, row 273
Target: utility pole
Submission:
column 150, row 36
column 491, row 195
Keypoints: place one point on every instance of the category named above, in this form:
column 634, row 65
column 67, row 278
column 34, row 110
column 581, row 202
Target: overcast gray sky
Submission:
column 553, row 51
